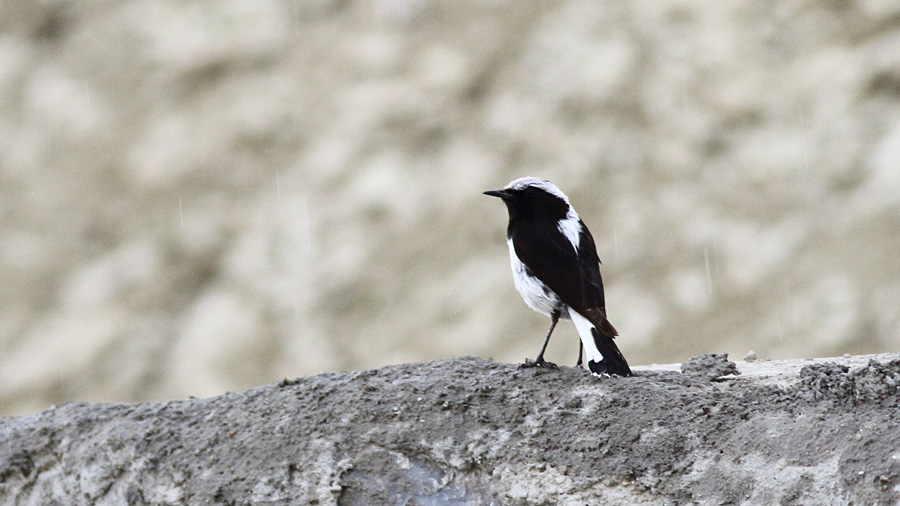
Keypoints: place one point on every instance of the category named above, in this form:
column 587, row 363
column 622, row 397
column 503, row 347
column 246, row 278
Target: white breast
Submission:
column 537, row 295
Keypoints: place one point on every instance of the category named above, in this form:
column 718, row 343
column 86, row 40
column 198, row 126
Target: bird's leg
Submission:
column 539, row 361
column 580, row 350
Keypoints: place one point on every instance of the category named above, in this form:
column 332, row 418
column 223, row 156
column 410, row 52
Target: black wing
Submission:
column 575, row 278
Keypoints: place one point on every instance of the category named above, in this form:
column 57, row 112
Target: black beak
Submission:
column 497, row 193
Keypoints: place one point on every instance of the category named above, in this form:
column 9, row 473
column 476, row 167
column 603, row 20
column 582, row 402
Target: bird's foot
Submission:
column 540, row 362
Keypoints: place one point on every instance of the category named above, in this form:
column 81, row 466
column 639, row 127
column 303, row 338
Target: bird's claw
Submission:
column 540, row 362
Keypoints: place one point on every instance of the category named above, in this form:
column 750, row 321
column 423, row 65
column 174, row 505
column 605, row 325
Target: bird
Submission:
column 556, row 270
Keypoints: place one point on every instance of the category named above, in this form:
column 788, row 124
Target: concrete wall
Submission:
column 469, row 431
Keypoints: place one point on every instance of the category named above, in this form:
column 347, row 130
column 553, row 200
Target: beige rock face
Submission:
column 198, row 197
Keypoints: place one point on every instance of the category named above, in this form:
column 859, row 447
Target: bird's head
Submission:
column 532, row 197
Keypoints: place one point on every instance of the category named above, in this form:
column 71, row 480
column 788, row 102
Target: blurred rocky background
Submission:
column 201, row 196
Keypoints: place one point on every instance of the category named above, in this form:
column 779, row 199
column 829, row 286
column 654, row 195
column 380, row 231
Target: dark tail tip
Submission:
column 613, row 362
column 604, row 367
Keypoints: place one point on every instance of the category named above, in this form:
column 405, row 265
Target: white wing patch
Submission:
column 571, row 228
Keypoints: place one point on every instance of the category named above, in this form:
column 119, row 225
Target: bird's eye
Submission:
column 529, row 192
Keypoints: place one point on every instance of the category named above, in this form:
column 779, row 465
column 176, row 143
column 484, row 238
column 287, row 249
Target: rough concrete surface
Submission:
column 472, row 431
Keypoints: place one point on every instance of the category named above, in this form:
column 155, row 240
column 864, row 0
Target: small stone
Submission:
column 750, row 356
column 573, row 403
column 709, row 367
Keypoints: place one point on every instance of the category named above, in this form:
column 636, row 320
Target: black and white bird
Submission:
column 557, row 271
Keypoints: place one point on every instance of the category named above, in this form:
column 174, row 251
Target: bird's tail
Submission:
column 597, row 336
column 613, row 362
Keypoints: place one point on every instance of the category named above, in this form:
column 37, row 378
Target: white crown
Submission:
column 536, row 182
